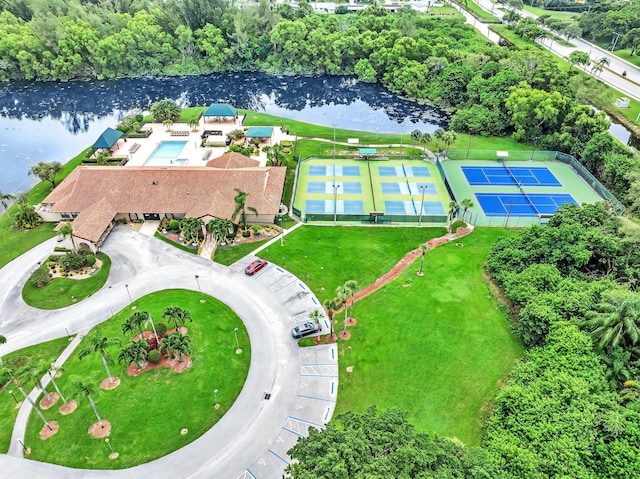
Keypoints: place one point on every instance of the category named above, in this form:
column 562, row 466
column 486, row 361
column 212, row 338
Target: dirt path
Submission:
column 406, row 260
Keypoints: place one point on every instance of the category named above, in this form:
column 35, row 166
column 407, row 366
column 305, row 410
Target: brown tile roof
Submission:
column 233, row 160
column 92, row 221
column 193, row 191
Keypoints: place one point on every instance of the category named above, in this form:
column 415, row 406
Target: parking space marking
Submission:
column 279, row 457
column 320, row 370
column 316, row 398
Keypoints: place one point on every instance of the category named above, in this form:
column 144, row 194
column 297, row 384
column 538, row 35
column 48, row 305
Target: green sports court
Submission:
column 523, row 192
column 370, row 191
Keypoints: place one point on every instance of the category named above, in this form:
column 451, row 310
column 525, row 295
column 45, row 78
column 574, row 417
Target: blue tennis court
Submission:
column 340, row 207
column 405, row 188
column 334, row 170
column 511, row 175
column 404, row 171
column 326, row 187
column 518, row 204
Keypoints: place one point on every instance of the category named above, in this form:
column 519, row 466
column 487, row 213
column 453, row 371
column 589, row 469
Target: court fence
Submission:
column 535, row 155
column 370, row 219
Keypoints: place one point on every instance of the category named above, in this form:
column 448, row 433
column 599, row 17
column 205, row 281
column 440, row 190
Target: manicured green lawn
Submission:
column 62, row 292
column 13, row 243
column 552, row 13
column 147, row 412
column 174, row 244
column 46, row 352
column 359, row 253
column 230, row 254
column 625, row 54
column 436, row 346
column 478, row 12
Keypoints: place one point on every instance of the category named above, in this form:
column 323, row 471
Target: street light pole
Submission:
column 401, row 131
column 614, row 41
column 335, row 203
column 334, row 139
column 126, row 286
column 322, row 269
column 423, row 188
column 198, row 283
column 215, row 395
column 238, row 350
column 14, row 398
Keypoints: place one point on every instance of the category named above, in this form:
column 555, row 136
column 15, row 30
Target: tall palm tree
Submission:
column 448, row 138
column 178, row 344
column 86, row 388
column 351, row 287
column 66, row 231
column 52, row 374
column 453, row 206
column 315, row 316
column 342, row 297
column 35, row 372
column 416, row 136
column 177, row 315
column 4, row 197
column 438, row 136
column 331, row 306
column 135, row 352
column 14, row 375
column 423, row 250
column 616, row 320
column 466, row 203
column 99, row 344
column 240, row 208
column 135, row 321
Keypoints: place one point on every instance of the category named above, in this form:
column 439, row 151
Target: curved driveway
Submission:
column 252, row 439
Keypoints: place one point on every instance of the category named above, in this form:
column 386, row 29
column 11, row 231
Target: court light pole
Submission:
column 506, row 223
column 335, row 203
column 423, row 188
column 469, row 145
column 401, row 131
column 334, row 139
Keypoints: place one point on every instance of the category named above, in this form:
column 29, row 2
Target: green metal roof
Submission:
column 260, row 132
column 220, row 109
column 107, row 139
column 368, row 151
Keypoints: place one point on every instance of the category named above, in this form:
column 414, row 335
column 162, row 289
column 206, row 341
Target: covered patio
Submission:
column 107, row 140
column 220, row 112
column 260, row 133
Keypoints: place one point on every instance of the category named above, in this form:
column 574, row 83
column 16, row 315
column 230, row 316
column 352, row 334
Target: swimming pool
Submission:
column 166, row 154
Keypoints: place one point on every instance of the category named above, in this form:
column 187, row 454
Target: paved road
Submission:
column 252, row 439
column 611, row 75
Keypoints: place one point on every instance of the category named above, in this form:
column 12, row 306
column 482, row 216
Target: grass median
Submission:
column 148, row 412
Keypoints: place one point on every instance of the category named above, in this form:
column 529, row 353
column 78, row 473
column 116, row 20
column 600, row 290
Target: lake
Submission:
column 55, row 121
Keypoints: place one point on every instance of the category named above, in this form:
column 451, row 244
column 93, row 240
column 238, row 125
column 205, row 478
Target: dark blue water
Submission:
column 55, row 121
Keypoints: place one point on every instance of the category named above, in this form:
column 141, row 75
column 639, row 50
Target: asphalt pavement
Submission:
column 288, row 389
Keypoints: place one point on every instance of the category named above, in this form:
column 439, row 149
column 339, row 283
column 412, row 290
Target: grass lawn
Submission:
column 230, row 254
column 625, row 54
column 13, row 243
column 437, row 346
column 475, row 10
column 46, row 352
column 552, row 13
column 174, row 244
column 359, row 253
column 61, row 292
column 147, row 412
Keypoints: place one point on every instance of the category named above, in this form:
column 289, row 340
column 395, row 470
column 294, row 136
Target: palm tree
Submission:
column 52, row 374
column 466, row 203
column 176, row 343
column 342, row 296
column 4, row 197
column 315, row 316
column 35, row 372
column 438, row 136
column 98, row 344
column 453, row 206
column 616, row 321
column 241, row 201
column 448, row 138
column 351, row 287
column 416, row 136
column 135, row 321
column 3, row 339
column 177, row 315
column 14, row 375
column 134, row 352
column 66, row 231
column 86, row 388
column 423, row 250
column 331, row 306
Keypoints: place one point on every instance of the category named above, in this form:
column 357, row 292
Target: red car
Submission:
column 256, row 266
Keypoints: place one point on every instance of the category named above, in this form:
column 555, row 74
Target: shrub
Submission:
column 152, row 343
column 458, row 224
column 246, row 233
column 236, row 134
column 161, row 329
column 41, row 277
column 174, row 225
column 71, row 261
column 61, row 249
column 154, row 356
column 286, row 143
column 90, row 260
column 286, row 151
column 255, row 228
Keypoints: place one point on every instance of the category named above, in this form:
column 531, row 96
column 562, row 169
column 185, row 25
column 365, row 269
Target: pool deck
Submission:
column 192, row 151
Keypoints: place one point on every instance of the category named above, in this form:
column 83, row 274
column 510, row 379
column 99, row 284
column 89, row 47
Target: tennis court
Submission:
column 378, row 191
column 529, row 204
column 510, row 175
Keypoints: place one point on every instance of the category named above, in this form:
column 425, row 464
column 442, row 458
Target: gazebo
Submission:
column 262, row 133
column 108, row 138
column 220, row 110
